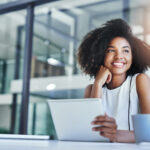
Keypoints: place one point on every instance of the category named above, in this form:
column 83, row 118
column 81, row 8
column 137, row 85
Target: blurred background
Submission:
column 59, row 27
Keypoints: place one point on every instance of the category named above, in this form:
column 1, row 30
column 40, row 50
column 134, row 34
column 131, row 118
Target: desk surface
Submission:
column 15, row 144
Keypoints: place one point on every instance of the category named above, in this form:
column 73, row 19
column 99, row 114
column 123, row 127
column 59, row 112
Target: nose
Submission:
column 118, row 55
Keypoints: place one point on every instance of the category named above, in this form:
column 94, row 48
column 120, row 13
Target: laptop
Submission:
column 72, row 119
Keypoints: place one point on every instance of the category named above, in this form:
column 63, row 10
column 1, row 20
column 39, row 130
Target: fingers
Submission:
column 105, row 124
column 109, row 75
column 104, row 118
column 103, row 76
column 109, row 78
column 110, row 133
column 104, row 68
column 104, row 129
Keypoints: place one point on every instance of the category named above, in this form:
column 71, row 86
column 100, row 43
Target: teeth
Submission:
column 118, row 64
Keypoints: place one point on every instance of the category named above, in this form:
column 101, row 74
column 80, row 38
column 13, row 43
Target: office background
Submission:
column 38, row 47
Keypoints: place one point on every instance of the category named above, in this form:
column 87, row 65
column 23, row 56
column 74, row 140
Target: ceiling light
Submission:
column 137, row 29
column 54, row 62
column 51, row 87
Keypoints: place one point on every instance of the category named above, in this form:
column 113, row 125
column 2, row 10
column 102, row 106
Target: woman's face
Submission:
column 118, row 58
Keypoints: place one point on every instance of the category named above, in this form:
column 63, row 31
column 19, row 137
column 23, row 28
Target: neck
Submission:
column 116, row 81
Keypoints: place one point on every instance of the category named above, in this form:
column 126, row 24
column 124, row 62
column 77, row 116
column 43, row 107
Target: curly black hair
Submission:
column 91, row 52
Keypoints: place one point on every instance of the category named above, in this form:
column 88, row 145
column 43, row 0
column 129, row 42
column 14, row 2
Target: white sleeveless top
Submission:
column 116, row 102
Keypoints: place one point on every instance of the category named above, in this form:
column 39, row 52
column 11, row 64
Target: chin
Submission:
column 118, row 72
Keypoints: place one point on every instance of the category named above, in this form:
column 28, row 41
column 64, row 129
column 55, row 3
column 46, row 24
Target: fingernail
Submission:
column 93, row 129
column 92, row 122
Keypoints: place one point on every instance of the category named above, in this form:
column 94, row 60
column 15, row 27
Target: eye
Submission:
column 126, row 51
column 110, row 51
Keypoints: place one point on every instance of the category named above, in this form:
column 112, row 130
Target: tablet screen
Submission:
column 72, row 118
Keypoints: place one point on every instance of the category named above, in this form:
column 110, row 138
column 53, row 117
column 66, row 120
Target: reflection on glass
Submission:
column 11, row 29
column 57, row 33
column 7, row 1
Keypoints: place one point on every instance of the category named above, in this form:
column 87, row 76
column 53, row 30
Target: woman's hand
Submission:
column 103, row 76
column 107, row 127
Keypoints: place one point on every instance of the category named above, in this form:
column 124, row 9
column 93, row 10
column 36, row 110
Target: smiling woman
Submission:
column 112, row 55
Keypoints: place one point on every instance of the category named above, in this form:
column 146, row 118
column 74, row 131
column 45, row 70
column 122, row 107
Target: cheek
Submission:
column 107, row 60
column 130, row 59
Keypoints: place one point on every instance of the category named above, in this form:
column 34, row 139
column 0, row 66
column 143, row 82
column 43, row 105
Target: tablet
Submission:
column 72, row 119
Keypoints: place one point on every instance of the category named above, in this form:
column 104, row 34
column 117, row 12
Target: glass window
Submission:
column 11, row 43
column 7, row 1
column 58, row 32
column 55, row 73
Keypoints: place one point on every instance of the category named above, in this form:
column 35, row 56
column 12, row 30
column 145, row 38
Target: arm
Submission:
column 143, row 91
column 125, row 136
column 95, row 90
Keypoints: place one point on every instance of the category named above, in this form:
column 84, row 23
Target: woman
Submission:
column 117, row 60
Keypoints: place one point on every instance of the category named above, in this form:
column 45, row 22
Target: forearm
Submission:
column 96, row 91
column 124, row 136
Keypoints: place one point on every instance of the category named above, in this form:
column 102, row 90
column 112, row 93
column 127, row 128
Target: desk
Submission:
column 16, row 144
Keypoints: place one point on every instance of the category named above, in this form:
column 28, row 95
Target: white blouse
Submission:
column 116, row 102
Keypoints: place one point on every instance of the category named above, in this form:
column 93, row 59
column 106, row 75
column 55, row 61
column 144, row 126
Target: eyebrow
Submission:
column 125, row 47
column 122, row 47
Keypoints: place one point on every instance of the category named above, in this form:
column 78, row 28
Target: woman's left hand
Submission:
column 107, row 127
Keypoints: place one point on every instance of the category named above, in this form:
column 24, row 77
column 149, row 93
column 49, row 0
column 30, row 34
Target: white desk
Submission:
column 15, row 144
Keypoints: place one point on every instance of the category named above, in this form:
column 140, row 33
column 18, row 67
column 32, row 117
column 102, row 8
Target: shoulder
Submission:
column 88, row 90
column 142, row 79
column 142, row 82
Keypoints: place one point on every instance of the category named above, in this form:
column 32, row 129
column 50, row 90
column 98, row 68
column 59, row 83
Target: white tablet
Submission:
column 72, row 118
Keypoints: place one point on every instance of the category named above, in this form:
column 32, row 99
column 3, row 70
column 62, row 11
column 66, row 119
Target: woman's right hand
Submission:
column 103, row 76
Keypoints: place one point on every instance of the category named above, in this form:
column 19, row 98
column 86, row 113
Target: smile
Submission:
column 118, row 64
